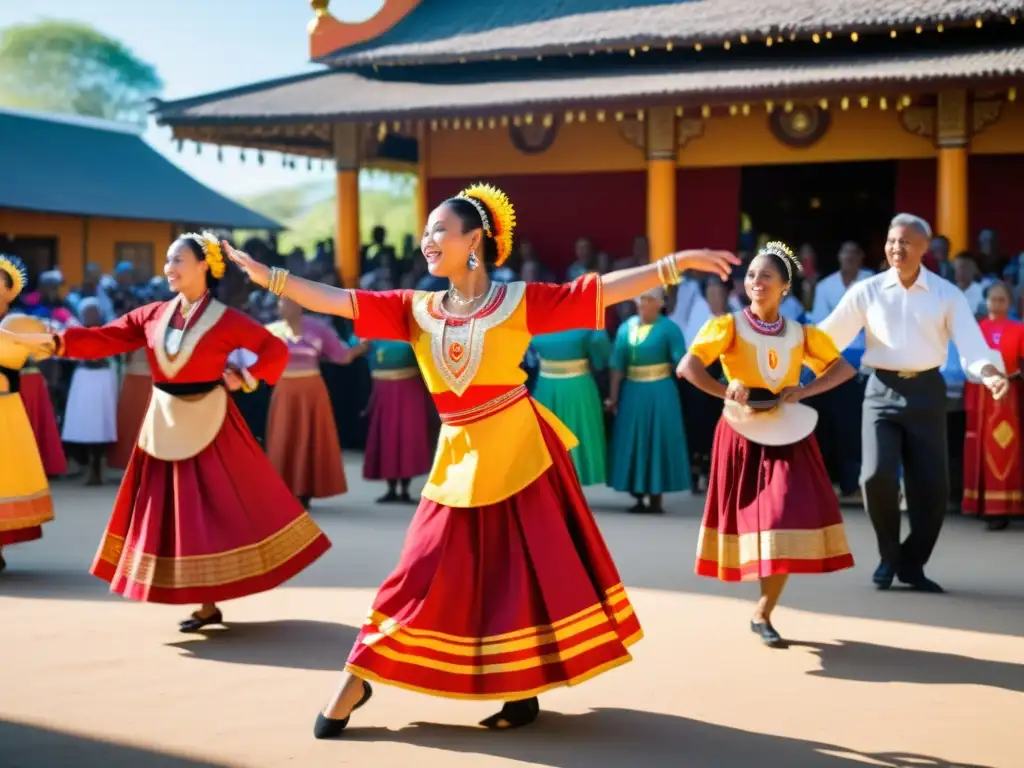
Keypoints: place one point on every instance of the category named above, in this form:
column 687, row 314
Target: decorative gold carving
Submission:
column 688, row 129
column 635, row 132
column 800, row 127
column 320, row 9
column 661, row 137
column 985, row 113
column 346, row 146
column 951, row 128
column 919, row 121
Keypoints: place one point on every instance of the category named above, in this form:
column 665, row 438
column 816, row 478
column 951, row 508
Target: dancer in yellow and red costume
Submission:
column 505, row 587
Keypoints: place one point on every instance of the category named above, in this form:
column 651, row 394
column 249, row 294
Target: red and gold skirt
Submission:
column 214, row 527
column 500, row 602
column 770, row 510
column 302, row 437
column 993, row 465
column 131, row 410
column 36, row 397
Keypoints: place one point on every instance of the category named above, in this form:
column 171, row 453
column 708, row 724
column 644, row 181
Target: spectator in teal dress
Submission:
column 649, row 455
column 566, row 386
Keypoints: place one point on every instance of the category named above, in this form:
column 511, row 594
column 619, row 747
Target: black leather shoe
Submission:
column 515, row 714
column 917, row 581
column 767, row 633
column 883, row 576
column 331, row 728
column 197, row 622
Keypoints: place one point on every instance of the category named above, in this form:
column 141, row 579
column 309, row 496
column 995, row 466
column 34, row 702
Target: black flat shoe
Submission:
column 405, row 498
column 997, row 524
column 883, row 576
column 918, row 582
column 767, row 633
column 388, row 498
column 331, row 728
column 196, row 622
column 515, row 714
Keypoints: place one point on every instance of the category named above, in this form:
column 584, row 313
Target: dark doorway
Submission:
column 823, row 204
column 38, row 253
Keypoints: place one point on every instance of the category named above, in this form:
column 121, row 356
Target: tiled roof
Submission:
column 339, row 95
column 439, row 31
column 86, row 167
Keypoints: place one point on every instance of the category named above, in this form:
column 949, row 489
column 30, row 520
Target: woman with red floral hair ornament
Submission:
column 502, row 529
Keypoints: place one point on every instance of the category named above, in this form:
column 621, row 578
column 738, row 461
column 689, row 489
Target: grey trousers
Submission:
column 904, row 425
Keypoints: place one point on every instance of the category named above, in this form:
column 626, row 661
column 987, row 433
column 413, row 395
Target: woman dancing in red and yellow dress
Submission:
column 201, row 516
column 993, row 465
column 505, row 587
column 25, row 502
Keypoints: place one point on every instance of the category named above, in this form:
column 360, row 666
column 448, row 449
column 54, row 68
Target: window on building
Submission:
column 38, row 253
column 139, row 254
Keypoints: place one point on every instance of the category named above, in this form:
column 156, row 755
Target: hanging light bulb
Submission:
column 705, row 111
column 854, row 37
column 769, row 106
column 727, row 45
column 844, row 103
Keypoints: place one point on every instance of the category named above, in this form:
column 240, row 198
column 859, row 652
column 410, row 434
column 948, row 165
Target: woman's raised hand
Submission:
column 716, row 262
column 256, row 272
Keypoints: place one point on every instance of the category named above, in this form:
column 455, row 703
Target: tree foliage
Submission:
column 62, row 66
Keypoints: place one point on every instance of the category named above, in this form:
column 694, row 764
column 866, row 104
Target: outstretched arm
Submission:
column 316, row 297
column 626, row 284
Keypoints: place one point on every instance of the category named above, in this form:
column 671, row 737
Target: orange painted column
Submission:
column 347, row 239
column 422, row 178
column 660, row 141
column 952, row 199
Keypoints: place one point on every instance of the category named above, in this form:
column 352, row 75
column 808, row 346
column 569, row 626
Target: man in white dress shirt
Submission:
column 839, row 435
column 909, row 316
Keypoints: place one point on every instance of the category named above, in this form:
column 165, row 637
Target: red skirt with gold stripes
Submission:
column 770, row 510
column 217, row 526
column 500, row 602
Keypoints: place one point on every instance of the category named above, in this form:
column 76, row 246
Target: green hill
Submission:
column 308, row 209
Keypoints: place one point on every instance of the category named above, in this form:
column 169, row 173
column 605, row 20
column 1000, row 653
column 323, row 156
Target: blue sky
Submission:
column 200, row 46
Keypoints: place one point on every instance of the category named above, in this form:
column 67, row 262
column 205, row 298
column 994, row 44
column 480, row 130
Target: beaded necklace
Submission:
column 759, row 325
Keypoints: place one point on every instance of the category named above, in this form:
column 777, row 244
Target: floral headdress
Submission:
column 212, row 252
column 784, row 252
column 497, row 215
column 15, row 269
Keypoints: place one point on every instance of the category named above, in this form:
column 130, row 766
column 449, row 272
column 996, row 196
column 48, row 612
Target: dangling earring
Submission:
column 474, row 262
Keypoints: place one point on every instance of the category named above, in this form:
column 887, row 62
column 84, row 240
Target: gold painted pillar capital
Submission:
column 661, row 181
column 346, row 163
column 952, row 136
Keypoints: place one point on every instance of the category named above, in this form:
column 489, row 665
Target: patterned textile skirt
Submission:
column 25, row 502
column 217, row 526
column 500, row 602
column 993, row 452
column 131, row 410
column 770, row 510
column 90, row 417
column 399, row 439
column 302, row 437
column 576, row 402
column 648, row 449
column 36, row 396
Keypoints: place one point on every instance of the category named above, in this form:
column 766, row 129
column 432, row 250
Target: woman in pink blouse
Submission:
column 302, row 437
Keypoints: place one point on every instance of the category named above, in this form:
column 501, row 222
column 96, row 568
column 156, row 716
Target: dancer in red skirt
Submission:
column 201, row 516
column 39, row 407
column 302, row 436
column 771, row 510
column 132, row 404
column 993, row 451
column 505, row 587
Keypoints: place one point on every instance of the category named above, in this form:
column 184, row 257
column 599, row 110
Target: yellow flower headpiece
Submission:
column 15, row 269
column 784, row 252
column 496, row 213
column 212, row 252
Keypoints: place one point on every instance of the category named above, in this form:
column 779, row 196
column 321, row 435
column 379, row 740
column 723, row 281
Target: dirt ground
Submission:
column 882, row 679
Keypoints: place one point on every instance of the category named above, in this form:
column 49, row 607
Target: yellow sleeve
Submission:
column 714, row 338
column 819, row 350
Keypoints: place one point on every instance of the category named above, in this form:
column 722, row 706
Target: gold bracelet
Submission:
column 661, row 273
column 277, row 281
column 673, row 277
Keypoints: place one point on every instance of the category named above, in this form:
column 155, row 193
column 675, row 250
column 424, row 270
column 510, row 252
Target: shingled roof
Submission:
column 340, row 95
column 84, row 167
column 446, row 31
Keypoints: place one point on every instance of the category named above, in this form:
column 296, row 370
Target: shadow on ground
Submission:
column 28, row 746
column 293, row 644
column 631, row 737
column 870, row 663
